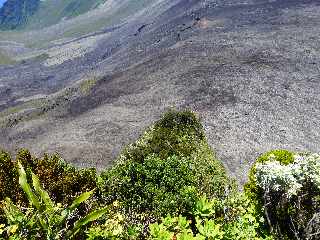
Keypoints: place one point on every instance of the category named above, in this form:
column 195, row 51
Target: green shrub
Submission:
column 231, row 218
column 176, row 133
column 115, row 227
column 165, row 170
column 45, row 219
column 157, row 186
column 63, row 181
column 9, row 186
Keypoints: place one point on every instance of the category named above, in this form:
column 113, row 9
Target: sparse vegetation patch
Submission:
column 87, row 85
column 5, row 60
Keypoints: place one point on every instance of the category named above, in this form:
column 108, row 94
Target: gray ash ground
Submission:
column 250, row 69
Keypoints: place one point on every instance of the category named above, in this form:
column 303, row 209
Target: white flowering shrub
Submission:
column 288, row 192
column 309, row 168
column 273, row 176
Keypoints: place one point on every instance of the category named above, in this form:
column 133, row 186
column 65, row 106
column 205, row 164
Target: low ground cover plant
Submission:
column 231, row 218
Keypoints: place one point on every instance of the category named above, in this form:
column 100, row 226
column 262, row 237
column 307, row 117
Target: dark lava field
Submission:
column 250, row 69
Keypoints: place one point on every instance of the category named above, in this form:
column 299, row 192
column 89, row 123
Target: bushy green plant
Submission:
column 44, row 219
column 62, row 181
column 156, row 186
column 115, row 227
column 166, row 169
column 7, row 175
column 9, row 186
column 171, row 228
column 233, row 219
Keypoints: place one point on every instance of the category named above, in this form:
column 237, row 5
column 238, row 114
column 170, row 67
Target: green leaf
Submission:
column 12, row 211
column 43, row 194
column 185, row 235
column 26, row 187
column 82, row 198
column 204, row 207
column 87, row 219
column 183, row 223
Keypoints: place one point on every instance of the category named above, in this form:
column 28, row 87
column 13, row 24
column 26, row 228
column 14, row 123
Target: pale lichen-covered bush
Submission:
column 252, row 190
column 289, row 195
column 272, row 176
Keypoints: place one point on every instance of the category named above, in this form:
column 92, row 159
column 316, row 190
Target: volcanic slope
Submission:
column 249, row 68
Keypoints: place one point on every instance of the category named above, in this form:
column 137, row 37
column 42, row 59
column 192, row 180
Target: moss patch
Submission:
column 87, row 85
column 5, row 59
column 27, row 105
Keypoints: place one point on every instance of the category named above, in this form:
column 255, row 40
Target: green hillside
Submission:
column 16, row 13
column 51, row 12
column 33, row 14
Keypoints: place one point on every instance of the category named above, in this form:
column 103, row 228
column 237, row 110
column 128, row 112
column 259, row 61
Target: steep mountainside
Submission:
column 88, row 85
column 33, row 14
column 15, row 13
column 2, row 2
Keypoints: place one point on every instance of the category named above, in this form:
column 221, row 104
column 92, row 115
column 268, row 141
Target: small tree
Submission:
column 165, row 170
